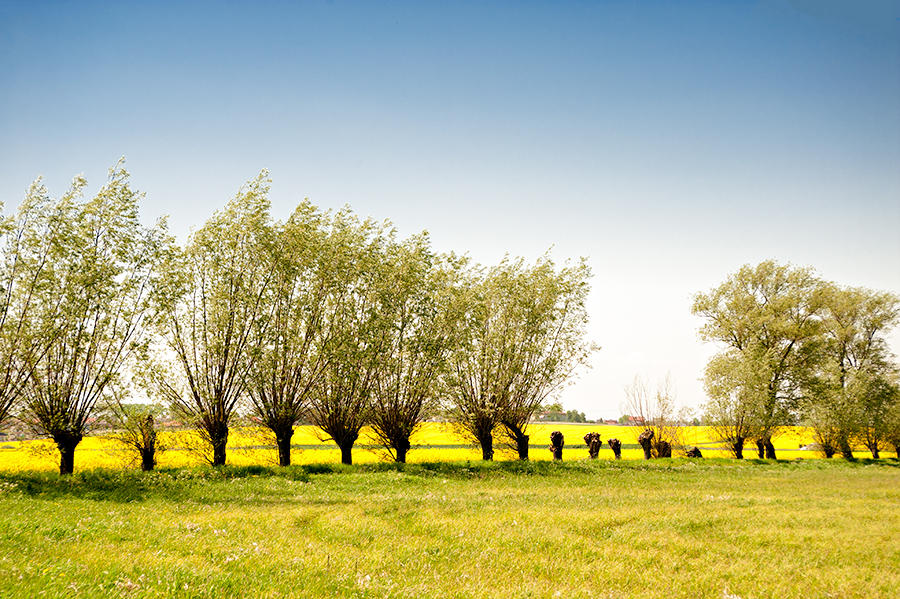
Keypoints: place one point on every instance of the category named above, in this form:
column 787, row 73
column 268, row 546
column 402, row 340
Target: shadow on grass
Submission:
column 195, row 484
column 133, row 485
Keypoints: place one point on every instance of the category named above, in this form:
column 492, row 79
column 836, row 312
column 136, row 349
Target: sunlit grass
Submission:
column 672, row 528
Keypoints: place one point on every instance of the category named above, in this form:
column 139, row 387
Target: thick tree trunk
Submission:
column 693, row 452
column 616, row 447
column 770, row 449
column 522, row 446
column 487, row 447
column 593, row 442
column 846, row 450
column 738, row 448
column 148, row 460
column 828, row 450
column 346, row 454
column 664, row 449
column 556, row 444
column 66, row 458
column 283, row 443
column 219, row 443
column 761, row 448
column 646, row 442
column 66, row 443
column 402, row 448
column 874, row 449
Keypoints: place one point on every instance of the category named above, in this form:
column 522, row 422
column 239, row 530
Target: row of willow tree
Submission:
column 796, row 349
column 324, row 317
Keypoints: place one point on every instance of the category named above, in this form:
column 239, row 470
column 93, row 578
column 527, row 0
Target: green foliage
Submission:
column 421, row 313
column 212, row 307
column 555, row 413
column 97, row 267
column 524, row 339
column 797, row 347
column 340, row 402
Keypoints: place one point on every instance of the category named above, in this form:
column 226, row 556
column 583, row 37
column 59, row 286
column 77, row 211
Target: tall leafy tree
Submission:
column 306, row 287
column 213, row 312
column 340, row 402
column 732, row 411
column 26, row 240
column 524, row 339
column 102, row 266
column 853, row 391
column 420, row 311
column 766, row 318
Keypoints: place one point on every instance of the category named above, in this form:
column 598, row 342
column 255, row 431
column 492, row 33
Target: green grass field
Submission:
column 674, row 528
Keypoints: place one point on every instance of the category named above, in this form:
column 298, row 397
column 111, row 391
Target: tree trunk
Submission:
column 487, row 447
column 347, row 454
column 761, row 448
column 147, row 458
column 66, row 443
column 66, row 458
column 846, row 450
column 219, row 443
column 738, row 448
column 874, row 449
column 283, row 442
column 556, row 444
column 522, row 446
column 593, row 442
column 664, row 449
column 401, row 449
column 770, row 450
column 148, row 444
column 616, row 447
column 828, row 450
column 646, row 441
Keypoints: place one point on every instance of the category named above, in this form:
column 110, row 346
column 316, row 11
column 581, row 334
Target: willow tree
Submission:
column 658, row 432
column 213, row 312
column 766, row 318
column 419, row 309
column 102, row 265
column 854, row 388
column 26, row 240
column 732, row 409
column 293, row 353
column 524, row 339
column 339, row 403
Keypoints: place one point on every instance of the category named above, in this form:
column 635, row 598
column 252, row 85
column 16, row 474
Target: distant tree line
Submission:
column 324, row 318
column 556, row 413
column 796, row 349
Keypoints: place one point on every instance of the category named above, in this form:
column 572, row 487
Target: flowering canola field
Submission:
column 432, row 442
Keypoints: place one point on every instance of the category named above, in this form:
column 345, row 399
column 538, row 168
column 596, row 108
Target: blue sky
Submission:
column 670, row 143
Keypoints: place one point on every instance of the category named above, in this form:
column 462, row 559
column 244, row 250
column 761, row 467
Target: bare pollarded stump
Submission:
column 693, row 452
column 593, row 441
column 663, row 449
column 646, row 442
column 616, row 447
column 556, row 444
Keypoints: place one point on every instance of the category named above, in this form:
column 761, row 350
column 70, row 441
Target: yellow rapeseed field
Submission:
column 432, row 442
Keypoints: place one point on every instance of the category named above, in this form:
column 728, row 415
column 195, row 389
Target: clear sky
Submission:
column 669, row 143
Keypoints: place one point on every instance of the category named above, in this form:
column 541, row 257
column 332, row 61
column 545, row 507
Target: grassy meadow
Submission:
column 433, row 442
column 671, row 528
